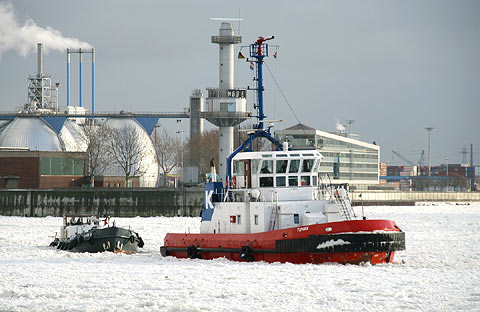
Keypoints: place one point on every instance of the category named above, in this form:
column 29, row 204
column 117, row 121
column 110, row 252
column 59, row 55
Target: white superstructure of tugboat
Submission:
column 272, row 206
column 90, row 234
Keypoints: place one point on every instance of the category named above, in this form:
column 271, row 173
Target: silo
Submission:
column 149, row 162
column 30, row 133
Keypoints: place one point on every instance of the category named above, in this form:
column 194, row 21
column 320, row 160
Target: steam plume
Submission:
column 339, row 126
column 24, row 38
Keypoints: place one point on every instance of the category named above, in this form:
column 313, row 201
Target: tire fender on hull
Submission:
column 193, row 253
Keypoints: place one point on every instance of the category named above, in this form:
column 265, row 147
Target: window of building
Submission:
column 61, row 166
column 227, row 107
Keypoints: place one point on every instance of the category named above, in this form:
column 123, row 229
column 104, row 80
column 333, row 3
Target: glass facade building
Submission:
column 346, row 160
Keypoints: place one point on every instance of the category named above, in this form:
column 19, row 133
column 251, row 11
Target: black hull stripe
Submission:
column 330, row 243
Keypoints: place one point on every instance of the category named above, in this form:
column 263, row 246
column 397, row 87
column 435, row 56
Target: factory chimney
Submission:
column 39, row 59
column 471, row 154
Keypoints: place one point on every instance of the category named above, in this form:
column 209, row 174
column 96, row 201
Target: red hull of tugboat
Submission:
column 358, row 241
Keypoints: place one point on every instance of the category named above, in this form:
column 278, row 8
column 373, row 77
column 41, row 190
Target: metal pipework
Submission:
column 80, row 79
column 93, row 80
column 68, row 76
column 80, row 52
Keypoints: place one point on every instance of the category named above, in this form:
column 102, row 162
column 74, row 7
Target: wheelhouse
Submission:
column 276, row 169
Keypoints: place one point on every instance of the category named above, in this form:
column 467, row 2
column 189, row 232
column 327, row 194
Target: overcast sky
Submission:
column 395, row 67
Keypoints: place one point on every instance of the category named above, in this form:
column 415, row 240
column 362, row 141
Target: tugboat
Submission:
column 87, row 234
column 275, row 208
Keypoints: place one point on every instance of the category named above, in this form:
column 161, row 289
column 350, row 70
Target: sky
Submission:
column 394, row 67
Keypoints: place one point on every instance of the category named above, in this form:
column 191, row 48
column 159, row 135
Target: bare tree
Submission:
column 201, row 149
column 94, row 137
column 168, row 153
column 125, row 149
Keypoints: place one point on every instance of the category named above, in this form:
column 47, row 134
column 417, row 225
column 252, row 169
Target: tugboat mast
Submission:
column 258, row 51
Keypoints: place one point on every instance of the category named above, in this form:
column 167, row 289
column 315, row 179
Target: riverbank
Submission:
column 171, row 202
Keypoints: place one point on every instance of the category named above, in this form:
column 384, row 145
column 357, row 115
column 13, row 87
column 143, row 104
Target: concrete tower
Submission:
column 196, row 106
column 226, row 105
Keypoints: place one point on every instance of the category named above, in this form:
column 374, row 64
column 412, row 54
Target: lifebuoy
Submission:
column 234, row 182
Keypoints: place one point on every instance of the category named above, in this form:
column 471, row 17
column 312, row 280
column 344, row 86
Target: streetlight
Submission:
column 429, row 129
column 183, row 186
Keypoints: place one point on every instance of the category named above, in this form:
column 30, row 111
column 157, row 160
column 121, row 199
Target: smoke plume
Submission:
column 24, row 38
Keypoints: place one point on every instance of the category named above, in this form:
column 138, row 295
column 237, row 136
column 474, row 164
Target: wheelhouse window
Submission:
column 305, row 180
column 293, row 181
column 255, row 165
column 239, row 168
column 280, row 181
column 307, row 165
column 266, row 181
column 267, row 166
column 294, row 166
column 281, row 166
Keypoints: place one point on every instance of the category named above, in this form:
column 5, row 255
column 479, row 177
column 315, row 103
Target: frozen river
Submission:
column 439, row 271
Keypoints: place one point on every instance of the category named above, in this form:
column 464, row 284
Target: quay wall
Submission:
column 113, row 202
column 402, row 198
column 169, row 201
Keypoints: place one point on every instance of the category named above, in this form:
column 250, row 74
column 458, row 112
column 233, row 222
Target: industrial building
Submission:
column 41, row 169
column 42, row 133
column 346, row 160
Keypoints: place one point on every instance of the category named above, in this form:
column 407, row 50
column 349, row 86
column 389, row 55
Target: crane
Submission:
column 411, row 163
column 422, row 158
